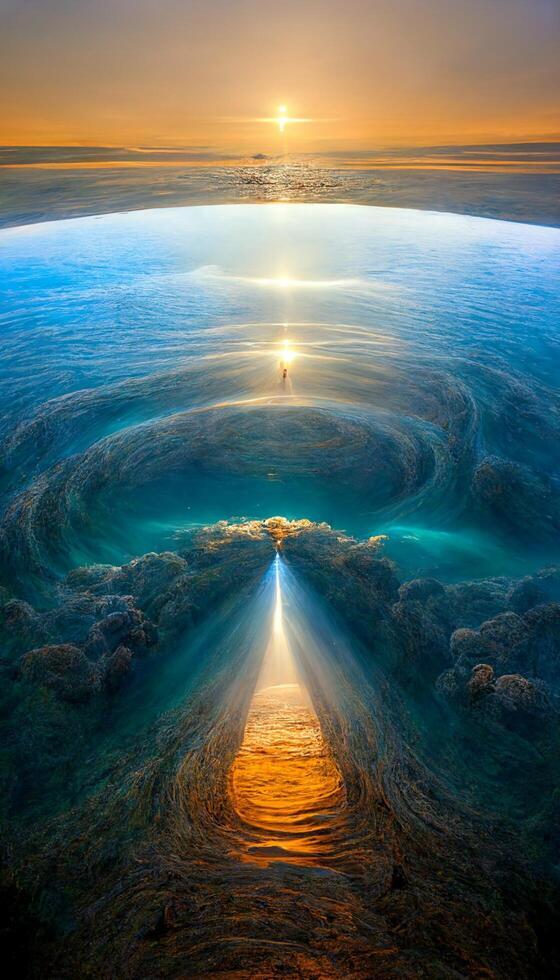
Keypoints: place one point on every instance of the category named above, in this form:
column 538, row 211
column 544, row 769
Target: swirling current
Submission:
column 280, row 583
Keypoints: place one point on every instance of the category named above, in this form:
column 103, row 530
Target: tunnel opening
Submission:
column 285, row 786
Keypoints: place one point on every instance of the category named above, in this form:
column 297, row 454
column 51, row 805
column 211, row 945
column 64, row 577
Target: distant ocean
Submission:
column 517, row 182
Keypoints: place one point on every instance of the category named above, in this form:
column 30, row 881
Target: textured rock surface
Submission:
column 166, row 876
column 65, row 669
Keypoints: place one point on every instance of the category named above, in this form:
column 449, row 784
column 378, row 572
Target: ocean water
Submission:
column 259, row 750
column 518, row 182
column 142, row 393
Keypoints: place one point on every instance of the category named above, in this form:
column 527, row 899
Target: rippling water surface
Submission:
column 151, row 345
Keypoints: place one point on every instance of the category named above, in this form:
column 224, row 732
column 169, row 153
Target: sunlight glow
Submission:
column 288, row 353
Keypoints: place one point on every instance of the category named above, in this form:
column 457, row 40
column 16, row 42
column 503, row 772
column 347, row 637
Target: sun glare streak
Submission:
column 283, row 281
column 282, row 119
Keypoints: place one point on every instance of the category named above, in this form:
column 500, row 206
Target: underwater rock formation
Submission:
column 64, row 669
column 169, row 886
column 518, row 498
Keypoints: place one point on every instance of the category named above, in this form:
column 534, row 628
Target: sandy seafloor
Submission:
column 148, row 437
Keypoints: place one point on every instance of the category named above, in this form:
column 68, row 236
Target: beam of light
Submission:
column 284, row 784
column 278, row 665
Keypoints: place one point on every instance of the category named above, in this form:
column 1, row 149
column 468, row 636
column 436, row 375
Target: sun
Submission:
column 282, row 118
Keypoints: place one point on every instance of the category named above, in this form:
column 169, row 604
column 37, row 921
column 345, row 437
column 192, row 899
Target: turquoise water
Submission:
column 142, row 398
column 141, row 384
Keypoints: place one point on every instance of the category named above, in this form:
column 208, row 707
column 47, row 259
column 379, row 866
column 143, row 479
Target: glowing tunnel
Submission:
column 284, row 783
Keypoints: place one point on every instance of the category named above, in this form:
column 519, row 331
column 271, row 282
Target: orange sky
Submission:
column 202, row 72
